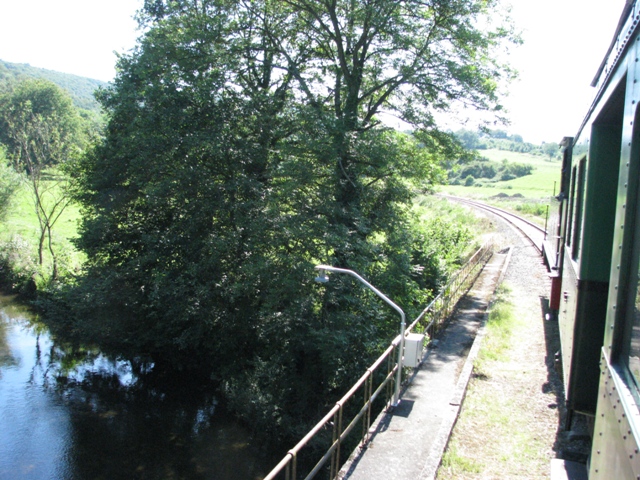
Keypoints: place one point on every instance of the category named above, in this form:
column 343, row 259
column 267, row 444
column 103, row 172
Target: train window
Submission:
column 634, row 344
column 629, row 281
column 577, row 221
column 572, row 197
column 631, row 349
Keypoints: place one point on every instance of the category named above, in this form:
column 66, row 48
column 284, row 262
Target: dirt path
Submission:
column 511, row 423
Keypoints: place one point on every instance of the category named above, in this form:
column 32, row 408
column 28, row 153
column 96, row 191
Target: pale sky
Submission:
column 70, row 36
column 565, row 41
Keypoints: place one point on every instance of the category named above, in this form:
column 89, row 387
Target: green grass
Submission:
column 539, row 185
column 454, row 461
column 19, row 230
column 497, row 434
column 500, row 327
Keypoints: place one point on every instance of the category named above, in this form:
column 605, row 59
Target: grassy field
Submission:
column 22, row 219
column 540, row 185
column 526, row 196
column 20, row 232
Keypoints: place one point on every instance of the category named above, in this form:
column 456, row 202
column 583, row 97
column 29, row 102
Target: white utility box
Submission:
column 413, row 349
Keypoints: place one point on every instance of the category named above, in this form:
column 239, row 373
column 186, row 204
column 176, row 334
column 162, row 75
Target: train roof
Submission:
column 628, row 24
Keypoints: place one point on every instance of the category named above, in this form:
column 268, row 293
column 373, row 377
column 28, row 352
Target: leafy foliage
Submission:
column 42, row 132
column 39, row 125
column 243, row 147
column 468, row 173
column 18, row 267
column 8, row 182
column 81, row 89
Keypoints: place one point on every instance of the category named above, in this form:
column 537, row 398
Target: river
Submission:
column 80, row 415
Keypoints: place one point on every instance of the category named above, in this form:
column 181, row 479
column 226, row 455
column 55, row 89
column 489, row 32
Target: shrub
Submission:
column 537, row 209
column 477, row 170
column 18, row 269
column 517, row 169
column 485, row 169
column 438, row 249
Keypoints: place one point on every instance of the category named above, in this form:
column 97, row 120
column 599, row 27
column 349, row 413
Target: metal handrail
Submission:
column 441, row 307
column 436, row 314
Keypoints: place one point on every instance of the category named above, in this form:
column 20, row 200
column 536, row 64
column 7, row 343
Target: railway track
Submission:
column 530, row 231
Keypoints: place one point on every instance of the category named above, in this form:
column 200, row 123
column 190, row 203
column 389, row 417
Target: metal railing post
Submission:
column 434, row 315
column 323, row 268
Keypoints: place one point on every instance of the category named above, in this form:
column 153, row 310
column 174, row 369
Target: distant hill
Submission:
column 80, row 88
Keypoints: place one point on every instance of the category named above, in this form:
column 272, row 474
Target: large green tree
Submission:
column 245, row 145
column 9, row 182
column 39, row 124
column 42, row 132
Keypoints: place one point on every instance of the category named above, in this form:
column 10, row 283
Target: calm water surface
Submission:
column 79, row 415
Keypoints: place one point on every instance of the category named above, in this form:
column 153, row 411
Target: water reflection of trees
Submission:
column 141, row 429
column 129, row 419
column 9, row 310
column 6, row 357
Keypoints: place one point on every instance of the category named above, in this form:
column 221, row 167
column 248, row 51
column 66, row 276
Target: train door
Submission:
column 617, row 424
column 587, row 256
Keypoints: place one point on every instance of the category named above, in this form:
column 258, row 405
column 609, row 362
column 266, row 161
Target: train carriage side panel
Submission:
column 566, row 318
column 614, row 454
column 592, row 245
column 587, row 256
column 569, row 271
column 616, row 440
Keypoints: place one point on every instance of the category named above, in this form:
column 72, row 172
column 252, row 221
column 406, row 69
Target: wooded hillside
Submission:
column 81, row 89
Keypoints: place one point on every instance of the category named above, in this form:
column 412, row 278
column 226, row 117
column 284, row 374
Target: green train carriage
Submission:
column 594, row 253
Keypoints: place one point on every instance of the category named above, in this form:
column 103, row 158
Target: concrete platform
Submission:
column 409, row 441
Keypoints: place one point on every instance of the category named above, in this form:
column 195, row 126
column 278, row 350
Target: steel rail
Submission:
column 526, row 227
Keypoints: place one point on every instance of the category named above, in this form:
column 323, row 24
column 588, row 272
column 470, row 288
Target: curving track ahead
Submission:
column 529, row 230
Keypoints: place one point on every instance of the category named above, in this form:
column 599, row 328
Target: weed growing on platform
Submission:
column 497, row 434
column 454, row 461
column 500, row 326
